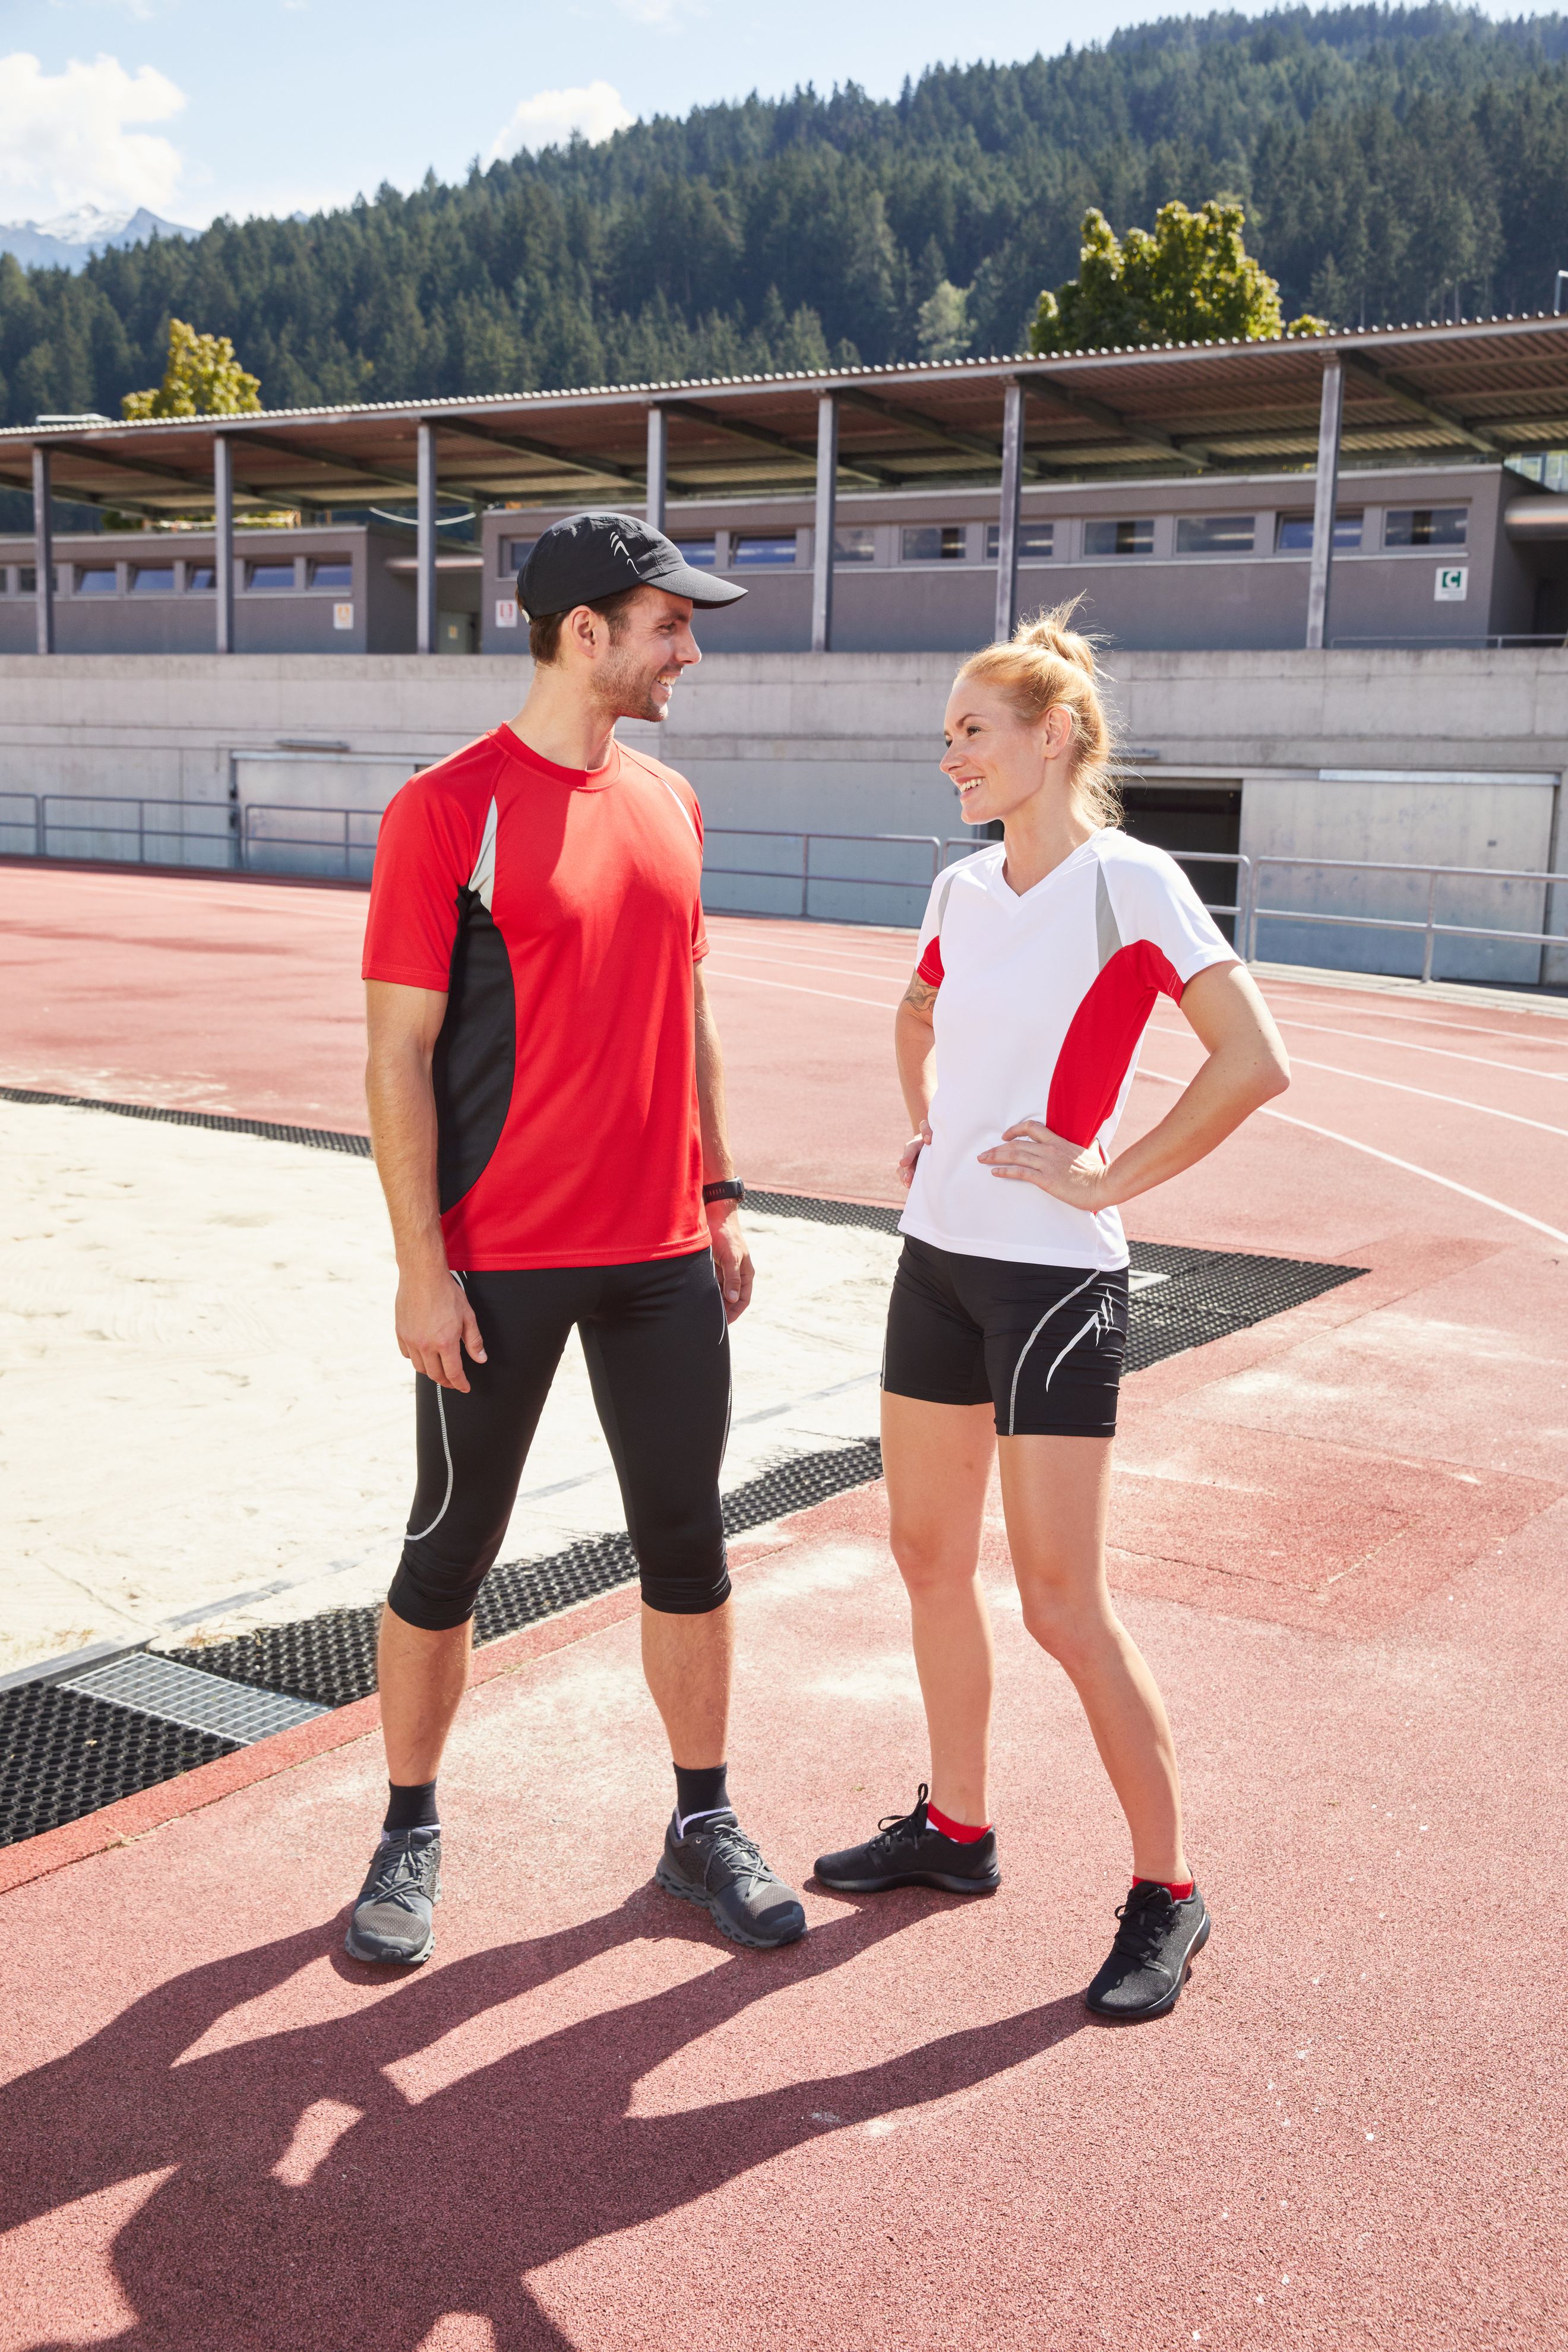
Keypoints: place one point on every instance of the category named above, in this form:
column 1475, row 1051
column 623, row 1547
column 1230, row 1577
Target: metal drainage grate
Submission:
column 1203, row 1294
column 321, row 1139
column 63, row 1755
column 176, row 1693
column 332, row 1658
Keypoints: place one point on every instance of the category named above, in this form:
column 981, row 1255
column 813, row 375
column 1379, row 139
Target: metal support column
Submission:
column 223, row 540
column 1007, row 526
column 827, row 504
column 425, row 549
column 658, row 464
column 1324, row 503
column 43, row 553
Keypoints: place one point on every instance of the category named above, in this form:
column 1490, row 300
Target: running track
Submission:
column 1340, row 1537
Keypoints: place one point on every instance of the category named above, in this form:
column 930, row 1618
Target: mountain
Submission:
column 70, row 240
column 1393, row 161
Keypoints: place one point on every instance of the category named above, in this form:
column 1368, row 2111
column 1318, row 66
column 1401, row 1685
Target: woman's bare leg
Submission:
column 1055, row 1492
column 936, row 1462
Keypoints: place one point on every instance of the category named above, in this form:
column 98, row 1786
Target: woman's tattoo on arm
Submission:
column 920, row 995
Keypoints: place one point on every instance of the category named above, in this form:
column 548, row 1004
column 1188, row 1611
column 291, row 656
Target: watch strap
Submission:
column 730, row 1188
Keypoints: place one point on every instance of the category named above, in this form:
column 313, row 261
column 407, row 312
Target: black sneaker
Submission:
column 906, row 1851
column 391, row 1918
column 1148, row 1964
column 719, row 1867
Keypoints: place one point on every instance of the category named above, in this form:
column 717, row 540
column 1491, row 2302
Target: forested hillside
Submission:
column 1386, row 157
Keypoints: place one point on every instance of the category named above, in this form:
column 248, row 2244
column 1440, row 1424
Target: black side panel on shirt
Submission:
column 475, row 1054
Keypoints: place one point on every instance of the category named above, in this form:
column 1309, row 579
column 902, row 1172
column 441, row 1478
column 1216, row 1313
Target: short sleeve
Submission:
column 928, row 952
column 1152, row 899
column 423, row 856
column 698, row 921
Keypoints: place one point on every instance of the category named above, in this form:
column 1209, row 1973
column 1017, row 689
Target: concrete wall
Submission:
column 849, row 743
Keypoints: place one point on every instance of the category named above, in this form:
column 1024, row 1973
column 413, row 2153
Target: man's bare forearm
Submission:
column 403, row 1135
column 712, row 1117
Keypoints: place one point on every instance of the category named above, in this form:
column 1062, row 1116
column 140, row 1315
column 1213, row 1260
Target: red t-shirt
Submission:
column 560, row 911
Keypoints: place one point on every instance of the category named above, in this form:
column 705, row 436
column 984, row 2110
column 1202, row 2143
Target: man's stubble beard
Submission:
column 626, row 689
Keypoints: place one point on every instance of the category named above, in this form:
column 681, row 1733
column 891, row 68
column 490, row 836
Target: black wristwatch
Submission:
column 730, row 1188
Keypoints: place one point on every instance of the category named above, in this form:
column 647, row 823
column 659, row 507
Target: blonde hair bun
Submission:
column 1045, row 665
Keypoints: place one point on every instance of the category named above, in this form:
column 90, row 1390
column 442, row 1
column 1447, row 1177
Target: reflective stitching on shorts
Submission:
column 1092, row 1325
column 1065, row 1301
column 447, row 1450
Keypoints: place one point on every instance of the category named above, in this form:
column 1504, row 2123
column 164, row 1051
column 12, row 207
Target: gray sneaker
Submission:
column 719, row 1867
column 391, row 1918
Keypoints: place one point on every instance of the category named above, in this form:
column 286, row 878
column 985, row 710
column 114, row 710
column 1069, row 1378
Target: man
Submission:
column 547, row 1106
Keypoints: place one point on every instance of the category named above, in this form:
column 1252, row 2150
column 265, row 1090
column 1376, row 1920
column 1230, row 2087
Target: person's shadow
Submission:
column 443, row 2204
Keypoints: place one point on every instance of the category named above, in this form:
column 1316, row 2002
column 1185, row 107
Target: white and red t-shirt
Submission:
column 560, row 911
column 1043, row 1002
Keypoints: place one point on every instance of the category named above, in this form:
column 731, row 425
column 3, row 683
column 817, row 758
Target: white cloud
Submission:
column 67, row 139
column 548, row 119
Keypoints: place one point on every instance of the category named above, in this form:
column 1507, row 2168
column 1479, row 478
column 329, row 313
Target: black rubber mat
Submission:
column 1208, row 1294
column 63, row 1755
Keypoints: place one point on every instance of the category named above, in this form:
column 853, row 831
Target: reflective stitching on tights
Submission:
column 418, row 1535
column 1066, row 1300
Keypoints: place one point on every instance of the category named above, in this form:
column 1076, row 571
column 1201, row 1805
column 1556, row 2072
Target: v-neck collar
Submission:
column 1001, row 888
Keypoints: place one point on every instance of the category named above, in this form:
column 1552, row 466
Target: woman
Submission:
column 1040, row 960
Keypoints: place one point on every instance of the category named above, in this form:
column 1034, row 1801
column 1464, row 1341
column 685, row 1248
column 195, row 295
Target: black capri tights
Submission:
column 657, row 1348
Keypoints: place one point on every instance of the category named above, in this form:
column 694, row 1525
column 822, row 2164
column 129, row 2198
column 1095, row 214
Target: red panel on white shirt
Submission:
column 1043, row 1001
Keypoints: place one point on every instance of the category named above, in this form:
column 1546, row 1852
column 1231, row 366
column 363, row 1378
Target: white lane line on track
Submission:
column 1430, row 1021
column 1402, row 1045
column 1448, row 1183
column 793, row 988
column 1300, row 1063
column 809, row 963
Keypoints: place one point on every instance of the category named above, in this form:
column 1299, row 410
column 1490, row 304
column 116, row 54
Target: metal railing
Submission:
column 39, row 817
column 256, row 835
column 1429, row 927
column 806, row 876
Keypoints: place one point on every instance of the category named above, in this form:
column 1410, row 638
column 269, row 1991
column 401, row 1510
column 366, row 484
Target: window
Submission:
column 331, row 572
column 514, row 553
column 1036, row 542
column 855, row 544
column 1424, row 527
column 269, row 575
column 95, row 580
column 756, row 549
column 201, row 576
column 153, row 579
column 934, row 542
column 1119, row 538
column 1214, row 534
column 1294, row 533
column 698, row 553
column 26, row 581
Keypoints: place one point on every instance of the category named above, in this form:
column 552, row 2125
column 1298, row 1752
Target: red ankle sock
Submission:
column 1178, row 1889
column 961, row 1832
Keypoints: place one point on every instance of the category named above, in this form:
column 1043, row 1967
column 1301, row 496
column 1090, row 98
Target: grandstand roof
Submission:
column 1426, row 393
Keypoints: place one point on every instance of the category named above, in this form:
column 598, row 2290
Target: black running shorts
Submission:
column 657, row 1348
column 1042, row 1344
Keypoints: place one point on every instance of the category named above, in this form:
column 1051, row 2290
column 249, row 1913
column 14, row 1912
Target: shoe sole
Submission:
column 909, row 1878
column 673, row 1885
column 1159, row 2008
column 389, row 1960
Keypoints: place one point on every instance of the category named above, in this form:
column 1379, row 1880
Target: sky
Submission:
column 195, row 107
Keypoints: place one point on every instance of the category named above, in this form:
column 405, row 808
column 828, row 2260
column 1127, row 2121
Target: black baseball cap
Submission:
column 592, row 555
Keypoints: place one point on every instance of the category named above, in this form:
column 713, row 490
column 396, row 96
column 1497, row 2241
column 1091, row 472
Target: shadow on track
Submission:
column 445, row 2205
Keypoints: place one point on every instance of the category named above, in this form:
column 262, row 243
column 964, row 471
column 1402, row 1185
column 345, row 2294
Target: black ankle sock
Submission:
column 701, row 1789
column 412, row 1808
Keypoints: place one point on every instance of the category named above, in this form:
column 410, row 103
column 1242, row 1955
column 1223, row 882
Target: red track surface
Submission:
column 1340, row 1538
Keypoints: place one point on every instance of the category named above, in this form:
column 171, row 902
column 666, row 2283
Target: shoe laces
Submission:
column 731, row 1845
column 902, row 1829
column 1146, row 1919
column 402, row 1874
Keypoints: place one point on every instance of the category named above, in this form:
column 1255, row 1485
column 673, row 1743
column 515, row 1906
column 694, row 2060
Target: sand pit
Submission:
column 206, row 1423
